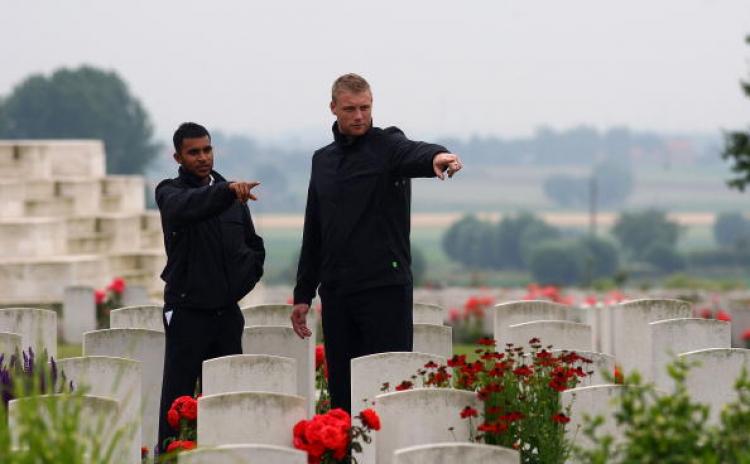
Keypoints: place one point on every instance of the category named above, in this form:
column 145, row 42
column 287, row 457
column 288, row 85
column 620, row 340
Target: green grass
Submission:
column 68, row 351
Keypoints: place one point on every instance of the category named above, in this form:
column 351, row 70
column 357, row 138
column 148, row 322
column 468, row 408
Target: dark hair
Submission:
column 188, row 130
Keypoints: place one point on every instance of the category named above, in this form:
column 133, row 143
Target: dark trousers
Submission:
column 371, row 321
column 192, row 336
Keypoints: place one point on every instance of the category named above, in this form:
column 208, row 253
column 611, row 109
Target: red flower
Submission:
column 323, row 433
column 100, row 296
column 178, row 445
column 431, row 365
column 173, row 418
column 189, row 410
column 523, row 371
column 746, row 335
column 117, row 285
column 405, row 385
column 320, row 356
column 561, row 418
column 457, row 360
column 722, row 316
column 184, row 407
column 512, row 417
column 485, row 341
column 144, row 452
column 468, row 411
column 454, row 315
column 706, row 313
column 370, row 419
column 619, row 379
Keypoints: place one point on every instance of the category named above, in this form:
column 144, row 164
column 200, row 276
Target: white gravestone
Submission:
column 739, row 310
column 451, row 453
column 78, row 313
column 276, row 315
column 563, row 335
column 265, row 418
column 97, row 419
column 591, row 401
column 423, row 416
column 517, row 312
column 433, row 339
column 370, row 372
column 631, row 333
column 712, row 380
column 282, row 341
column 250, row 372
column 424, row 313
column 135, row 295
column 243, row 454
column 146, row 346
column 115, row 378
column 671, row 337
column 10, row 343
column 37, row 327
column 137, row 317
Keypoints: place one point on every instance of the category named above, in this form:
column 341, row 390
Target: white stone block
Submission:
column 268, row 314
column 135, row 295
column 712, row 380
column 243, row 454
column 250, row 372
column 115, row 378
column 591, row 401
column 32, row 237
column 420, row 417
column 425, row 313
column 368, row 375
column 10, row 343
column 282, row 341
column 84, row 194
column 517, row 312
column 79, row 313
column 670, row 337
column 452, row 453
column 564, row 335
column 47, row 159
column 123, row 194
column 37, row 327
column 631, row 333
column 146, row 346
column 600, row 364
column 266, row 418
column 98, row 417
column 137, row 317
column 433, row 339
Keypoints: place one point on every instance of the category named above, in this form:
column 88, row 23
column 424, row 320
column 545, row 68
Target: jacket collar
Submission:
column 194, row 181
column 343, row 139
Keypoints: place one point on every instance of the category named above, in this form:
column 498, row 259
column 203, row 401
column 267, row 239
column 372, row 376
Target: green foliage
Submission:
column 637, row 231
column 731, row 230
column 557, row 263
column 670, row 428
column 418, row 265
column 664, row 257
column 600, row 258
column 467, row 242
column 82, row 103
column 737, row 149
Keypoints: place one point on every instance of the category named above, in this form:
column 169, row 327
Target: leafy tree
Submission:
column 731, row 229
column 737, row 149
column 664, row 257
column 556, row 263
column 82, row 103
column 467, row 242
column 600, row 257
column 514, row 238
column 637, row 231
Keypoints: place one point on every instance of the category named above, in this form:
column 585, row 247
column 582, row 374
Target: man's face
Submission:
column 196, row 156
column 353, row 112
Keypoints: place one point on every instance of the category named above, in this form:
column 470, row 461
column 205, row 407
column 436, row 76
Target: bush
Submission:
column 557, row 263
column 731, row 229
column 600, row 258
column 664, row 257
column 637, row 231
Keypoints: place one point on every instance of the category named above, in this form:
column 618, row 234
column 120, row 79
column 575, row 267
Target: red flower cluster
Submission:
column 746, row 335
column 184, row 407
column 549, row 292
column 324, row 434
column 370, row 419
column 320, row 356
column 561, row 418
column 723, row 316
column 179, row 445
column 117, row 285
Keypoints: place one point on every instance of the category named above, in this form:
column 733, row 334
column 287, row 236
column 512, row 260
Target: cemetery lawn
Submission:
column 468, row 350
column 69, row 351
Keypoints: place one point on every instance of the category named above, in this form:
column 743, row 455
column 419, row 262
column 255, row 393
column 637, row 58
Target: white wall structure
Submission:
column 631, row 332
column 282, row 341
column 420, row 417
column 433, row 339
column 250, row 372
column 37, row 328
column 425, row 313
column 369, row 373
column 712, row 381
column 79, row 313
column 266, row 418
column 517, row 312
column 145, row 346
column 451, row 453
column 137, row 317
column 240, row 454
column 10, row 343
column 670, row 337
column 115, row 378
column 562, row 335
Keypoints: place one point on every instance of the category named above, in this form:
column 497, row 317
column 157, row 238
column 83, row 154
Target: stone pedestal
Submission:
column 433, row 339
column 241, row 454
column 517, row 312
column 137, row 317
column 451, row 453
column 563, row 335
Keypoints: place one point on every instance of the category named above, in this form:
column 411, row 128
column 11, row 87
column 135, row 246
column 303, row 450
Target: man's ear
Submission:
column 333, row 106
column 177, row 158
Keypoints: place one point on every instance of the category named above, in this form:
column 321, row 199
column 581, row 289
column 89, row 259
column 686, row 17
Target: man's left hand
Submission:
column 444, row 163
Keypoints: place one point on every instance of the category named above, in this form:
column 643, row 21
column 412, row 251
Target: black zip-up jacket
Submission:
column 214, row 256
column 357, row 219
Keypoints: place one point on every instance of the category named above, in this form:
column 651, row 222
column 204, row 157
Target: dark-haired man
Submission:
column 214, row 258
column 356, row 234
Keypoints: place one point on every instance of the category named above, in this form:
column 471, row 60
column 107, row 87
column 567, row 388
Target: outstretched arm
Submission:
column 308, row 269
column 420, row 159
column 185, row 206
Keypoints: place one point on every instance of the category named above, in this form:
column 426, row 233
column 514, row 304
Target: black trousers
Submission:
column 371, row 321
column 192, row 336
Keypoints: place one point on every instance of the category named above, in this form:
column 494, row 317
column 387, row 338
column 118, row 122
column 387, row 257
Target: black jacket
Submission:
column 214, row 256
column 357, row 219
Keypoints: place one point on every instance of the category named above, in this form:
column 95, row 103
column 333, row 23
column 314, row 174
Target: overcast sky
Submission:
column 437, row 67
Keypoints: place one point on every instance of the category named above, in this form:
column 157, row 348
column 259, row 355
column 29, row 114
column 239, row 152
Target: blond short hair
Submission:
column 351, row 82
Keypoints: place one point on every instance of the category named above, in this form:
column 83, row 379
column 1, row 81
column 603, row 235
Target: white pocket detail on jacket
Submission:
column 168, row 316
